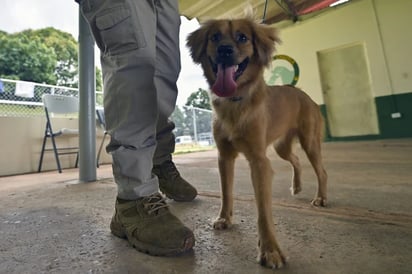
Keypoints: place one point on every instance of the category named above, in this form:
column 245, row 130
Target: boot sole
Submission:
column 176, row 198
column 118, row 231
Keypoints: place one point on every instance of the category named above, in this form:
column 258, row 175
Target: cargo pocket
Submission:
column 119, row 32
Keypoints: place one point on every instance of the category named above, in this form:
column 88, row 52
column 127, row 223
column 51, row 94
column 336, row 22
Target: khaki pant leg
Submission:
column 126, row 34
column 166, row 75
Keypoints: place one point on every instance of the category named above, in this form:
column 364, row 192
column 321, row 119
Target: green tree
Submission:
column 99, row 80
column 66, row 50
column 199, row 99
column 26, row 59
column 179, row 120
column 45, row 56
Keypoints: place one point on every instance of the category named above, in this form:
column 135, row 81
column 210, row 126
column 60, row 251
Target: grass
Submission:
column 188, row 148
column 26, row 111
column 20, row 110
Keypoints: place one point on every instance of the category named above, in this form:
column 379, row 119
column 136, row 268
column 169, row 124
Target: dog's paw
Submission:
column 295, row 190
column 221, row 223
column 319, row 202
column 271, row 259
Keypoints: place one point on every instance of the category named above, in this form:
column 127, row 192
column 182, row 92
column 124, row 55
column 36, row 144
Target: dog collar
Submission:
column 235, row 98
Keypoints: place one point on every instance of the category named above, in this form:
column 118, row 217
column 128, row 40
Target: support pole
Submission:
column 194, row 123
column 87, row 112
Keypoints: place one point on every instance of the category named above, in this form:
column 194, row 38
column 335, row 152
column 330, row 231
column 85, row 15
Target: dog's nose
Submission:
column 225, row 51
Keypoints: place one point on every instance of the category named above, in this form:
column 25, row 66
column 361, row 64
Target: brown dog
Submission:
column 250, row 116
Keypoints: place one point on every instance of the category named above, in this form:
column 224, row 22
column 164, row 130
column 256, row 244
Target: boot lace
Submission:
column 154, row 204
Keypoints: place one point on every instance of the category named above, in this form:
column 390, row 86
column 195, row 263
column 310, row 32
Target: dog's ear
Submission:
column 265, row 38
column 197, row 43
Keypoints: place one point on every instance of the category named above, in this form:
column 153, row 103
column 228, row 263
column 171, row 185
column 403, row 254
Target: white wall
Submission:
column 20, row 145
column 395, row 21
column 384, row 27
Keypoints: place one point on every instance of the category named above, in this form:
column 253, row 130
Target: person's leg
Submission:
column 167, row 71
column 128, row 59
column 125, row 32
column 166, row 74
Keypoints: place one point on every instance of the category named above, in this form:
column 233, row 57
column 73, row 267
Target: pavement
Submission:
column 51, row 223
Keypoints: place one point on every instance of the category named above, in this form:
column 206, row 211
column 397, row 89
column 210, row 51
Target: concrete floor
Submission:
column 51, row 224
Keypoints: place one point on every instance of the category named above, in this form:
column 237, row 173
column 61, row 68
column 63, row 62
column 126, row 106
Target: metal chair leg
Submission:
column 56, row 154
column 42, row 153
column 100, row 149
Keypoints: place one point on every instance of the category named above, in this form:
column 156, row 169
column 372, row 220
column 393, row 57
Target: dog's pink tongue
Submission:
column 225, row 85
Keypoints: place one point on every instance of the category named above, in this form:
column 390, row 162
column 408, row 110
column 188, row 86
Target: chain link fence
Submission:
column 23, row 99
column 194, row 122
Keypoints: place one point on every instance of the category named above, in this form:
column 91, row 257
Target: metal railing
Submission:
column 196, row 122
column 23, row 99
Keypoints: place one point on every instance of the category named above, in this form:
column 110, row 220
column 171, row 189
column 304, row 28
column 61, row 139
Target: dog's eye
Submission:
column 216, row 37
column 241, row 38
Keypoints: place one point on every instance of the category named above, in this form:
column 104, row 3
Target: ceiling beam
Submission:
column 297, row 7
column 292, row 10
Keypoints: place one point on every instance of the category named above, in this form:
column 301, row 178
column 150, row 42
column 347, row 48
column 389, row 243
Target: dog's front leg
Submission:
column 269, row 254
column 226, row 170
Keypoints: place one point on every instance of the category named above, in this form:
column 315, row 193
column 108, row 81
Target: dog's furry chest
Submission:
column 237, row 121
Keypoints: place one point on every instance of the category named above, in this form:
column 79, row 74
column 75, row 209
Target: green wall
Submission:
column 388, row 127
column 395, row 128
column 383, row 27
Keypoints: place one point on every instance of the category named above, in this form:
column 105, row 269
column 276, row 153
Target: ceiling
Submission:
column 272, row 11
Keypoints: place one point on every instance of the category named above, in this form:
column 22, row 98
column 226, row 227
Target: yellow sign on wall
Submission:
column 284, row 71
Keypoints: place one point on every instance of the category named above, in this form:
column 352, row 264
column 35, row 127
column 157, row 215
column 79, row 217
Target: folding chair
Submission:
column 58, row 104
column 102, row 122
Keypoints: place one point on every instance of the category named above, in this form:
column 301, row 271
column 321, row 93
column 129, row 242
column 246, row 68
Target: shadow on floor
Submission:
column 51, row 224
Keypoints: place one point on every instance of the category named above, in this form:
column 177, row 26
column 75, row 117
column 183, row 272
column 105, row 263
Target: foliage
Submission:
column 189, row 119
column 199, row 99
column 2, row 33
column 26, row 59
column 99, row 79
column 45, row 56
column 178, row 119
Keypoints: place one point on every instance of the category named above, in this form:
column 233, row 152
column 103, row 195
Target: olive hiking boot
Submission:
column 172, row 184
column 150, row 227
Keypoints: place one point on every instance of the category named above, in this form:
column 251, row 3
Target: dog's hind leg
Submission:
column 283, row 148
column 312, row 146
column 227, row 156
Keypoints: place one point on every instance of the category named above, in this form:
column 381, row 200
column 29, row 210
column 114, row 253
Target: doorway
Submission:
column 346, row 87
